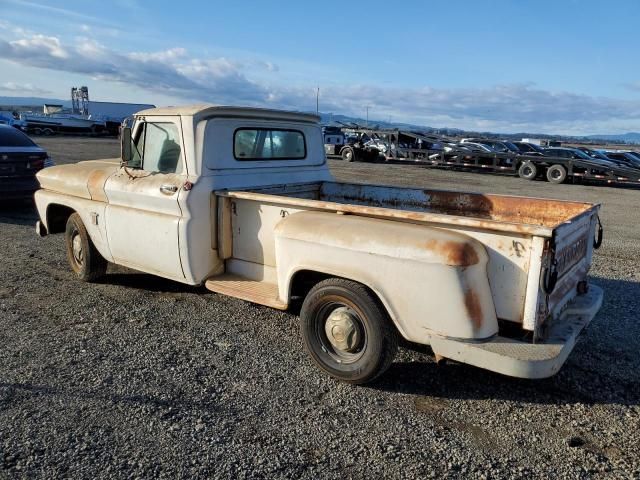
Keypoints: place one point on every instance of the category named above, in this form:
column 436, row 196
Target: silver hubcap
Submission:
column 76, row 245
column 342, row 330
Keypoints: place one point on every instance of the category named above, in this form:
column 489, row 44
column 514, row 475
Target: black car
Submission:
column 625, row 157
column 595, row 154
column 529, row 149
column 499, row 146
column 20, row 160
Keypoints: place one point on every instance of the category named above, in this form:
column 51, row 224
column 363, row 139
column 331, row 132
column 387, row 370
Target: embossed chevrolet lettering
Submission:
column 571, row 255
column 242, row 201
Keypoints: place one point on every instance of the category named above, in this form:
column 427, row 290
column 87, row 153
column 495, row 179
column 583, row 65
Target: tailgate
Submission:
column 573, row 243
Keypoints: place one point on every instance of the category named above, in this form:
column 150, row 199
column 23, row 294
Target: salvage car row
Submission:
column 527, row 160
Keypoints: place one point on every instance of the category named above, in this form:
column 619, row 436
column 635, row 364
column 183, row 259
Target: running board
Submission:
column 245, row 289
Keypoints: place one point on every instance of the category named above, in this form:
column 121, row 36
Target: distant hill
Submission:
column 630, row 137
column 32, row 101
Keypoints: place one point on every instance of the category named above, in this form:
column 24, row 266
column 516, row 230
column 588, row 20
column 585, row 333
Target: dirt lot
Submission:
column 139, row 377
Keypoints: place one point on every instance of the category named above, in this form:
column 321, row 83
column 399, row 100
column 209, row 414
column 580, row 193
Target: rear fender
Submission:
column 432, row 281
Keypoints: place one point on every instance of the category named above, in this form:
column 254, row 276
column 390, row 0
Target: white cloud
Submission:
column 174, row 72
column 25, row 88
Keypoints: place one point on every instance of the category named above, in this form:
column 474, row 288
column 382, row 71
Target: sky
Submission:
column 546, row 66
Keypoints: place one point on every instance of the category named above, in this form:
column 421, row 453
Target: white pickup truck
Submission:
column 242, row 201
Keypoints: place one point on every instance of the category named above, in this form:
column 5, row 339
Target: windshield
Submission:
column 581, row 154
column 599, row 155
column 511, row 147
column 535, row 147
column 11, row 137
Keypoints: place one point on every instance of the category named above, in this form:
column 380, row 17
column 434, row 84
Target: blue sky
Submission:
column 544, row 66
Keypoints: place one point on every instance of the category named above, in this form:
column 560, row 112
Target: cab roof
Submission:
column 203, row 111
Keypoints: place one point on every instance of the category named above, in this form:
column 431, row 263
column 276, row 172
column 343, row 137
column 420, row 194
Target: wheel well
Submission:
column 57, row 216
column 304, row 280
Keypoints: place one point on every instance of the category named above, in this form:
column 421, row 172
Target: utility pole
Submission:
column 367, row 107
column 318, row 100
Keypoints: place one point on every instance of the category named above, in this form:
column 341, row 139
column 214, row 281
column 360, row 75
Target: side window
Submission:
column 157, row 148
column 267, row 144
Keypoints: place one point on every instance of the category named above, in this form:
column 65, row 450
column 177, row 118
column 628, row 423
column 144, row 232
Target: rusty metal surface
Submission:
column 83, row 179
column 532, row 216
column 412, row 242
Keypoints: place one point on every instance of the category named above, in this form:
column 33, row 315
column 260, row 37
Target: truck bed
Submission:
column 516, row 232
column 525, row 215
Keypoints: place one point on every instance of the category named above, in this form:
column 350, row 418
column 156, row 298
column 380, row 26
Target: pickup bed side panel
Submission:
column 432, row 281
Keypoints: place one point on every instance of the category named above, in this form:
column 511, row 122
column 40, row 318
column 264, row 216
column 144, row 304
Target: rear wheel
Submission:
column 85, row 261
column 348, row 155
column 528, row 171
column 346, row 331
column 556, row 174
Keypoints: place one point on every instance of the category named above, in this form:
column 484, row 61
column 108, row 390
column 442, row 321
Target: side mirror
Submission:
column 126, row 154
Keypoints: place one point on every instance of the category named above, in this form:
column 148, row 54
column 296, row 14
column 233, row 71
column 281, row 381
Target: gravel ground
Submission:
column 139, row 377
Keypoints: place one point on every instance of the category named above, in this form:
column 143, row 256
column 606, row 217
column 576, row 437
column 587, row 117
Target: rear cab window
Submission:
column 249, row 144
column 269, row 144
column 11, row 137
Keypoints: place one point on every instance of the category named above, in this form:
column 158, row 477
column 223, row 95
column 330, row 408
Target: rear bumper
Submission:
column 18, row 188
column 526, row 360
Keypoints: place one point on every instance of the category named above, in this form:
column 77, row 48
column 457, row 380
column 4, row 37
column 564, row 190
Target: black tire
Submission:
column 556, row 174
column 85, row 261
column 369, row 347
column 348, row 155
column 528, row 170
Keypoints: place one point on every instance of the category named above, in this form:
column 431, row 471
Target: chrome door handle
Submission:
column 168, row 189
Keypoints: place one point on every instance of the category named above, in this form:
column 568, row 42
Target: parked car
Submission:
column 529, row 149
column 498, row 146
column 377, row 144
column 477, row 147
column 602, row 158
column 20, row 160
column 625, row 157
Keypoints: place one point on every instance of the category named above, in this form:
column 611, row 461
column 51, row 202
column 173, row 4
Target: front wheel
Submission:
column 346, row 331
column 85, row 261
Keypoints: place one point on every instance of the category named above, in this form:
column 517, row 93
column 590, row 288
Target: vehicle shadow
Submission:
column 604, row 367
column 144, row 281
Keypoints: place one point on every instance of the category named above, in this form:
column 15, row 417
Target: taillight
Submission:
column 37, row 164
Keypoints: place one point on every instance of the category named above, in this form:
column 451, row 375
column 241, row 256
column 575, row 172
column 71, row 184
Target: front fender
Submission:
column 431, row 280
column 91, row 212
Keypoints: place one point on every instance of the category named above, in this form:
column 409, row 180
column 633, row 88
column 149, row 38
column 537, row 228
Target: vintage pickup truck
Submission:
column 242, row 201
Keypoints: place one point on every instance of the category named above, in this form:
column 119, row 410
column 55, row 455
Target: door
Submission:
column 143, row 214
